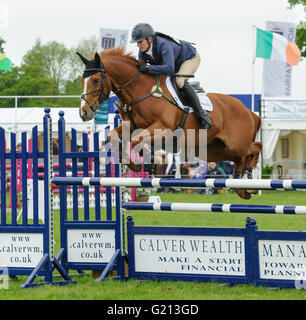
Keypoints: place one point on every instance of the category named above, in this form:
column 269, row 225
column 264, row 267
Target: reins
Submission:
column 127, row 108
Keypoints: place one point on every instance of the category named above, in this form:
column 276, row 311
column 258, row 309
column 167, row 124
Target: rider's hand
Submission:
column 142, row 67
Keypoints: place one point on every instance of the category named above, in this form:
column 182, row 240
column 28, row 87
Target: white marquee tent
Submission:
column 24, row 119
column 273, row 129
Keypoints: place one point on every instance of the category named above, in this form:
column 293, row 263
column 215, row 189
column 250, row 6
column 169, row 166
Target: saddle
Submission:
column 195, row 85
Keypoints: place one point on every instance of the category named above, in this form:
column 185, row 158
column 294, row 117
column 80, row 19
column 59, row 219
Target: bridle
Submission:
column 127, row 108
column 102, row 97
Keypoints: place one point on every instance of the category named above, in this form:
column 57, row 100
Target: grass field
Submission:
column 87, row 289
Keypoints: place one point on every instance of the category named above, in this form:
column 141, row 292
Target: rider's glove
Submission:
column 142, row 67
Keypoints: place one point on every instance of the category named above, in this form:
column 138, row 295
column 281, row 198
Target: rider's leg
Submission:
column 193, row 99
column 189, row 67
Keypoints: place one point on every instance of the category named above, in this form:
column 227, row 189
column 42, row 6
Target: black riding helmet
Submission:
column 142, row 31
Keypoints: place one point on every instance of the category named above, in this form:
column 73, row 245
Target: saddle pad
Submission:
column 204, row 100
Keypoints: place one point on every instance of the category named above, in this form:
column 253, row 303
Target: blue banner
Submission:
column 101, row 115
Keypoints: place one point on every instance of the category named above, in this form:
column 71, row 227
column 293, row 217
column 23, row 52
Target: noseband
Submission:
column 102, row 96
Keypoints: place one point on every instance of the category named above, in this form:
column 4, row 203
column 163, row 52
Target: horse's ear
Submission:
column 97, row 57
column 85, row 61
column 98, row 60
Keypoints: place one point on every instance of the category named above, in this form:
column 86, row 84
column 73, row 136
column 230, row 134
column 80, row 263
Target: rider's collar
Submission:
column 150, row 50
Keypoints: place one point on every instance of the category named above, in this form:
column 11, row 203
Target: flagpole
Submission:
column 259, row 135
column 253, row 67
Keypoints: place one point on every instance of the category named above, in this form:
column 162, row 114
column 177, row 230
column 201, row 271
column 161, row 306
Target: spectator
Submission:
column 200, row 173
column 170, row 169
column 159, row 166
column 214, row 172
column 227, row 166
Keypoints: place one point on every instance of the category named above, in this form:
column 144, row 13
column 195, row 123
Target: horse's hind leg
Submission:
column 238, row 174
column 252, row 159
column 246, row 165
column 251, row 162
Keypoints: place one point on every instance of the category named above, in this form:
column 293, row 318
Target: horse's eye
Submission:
column 96, row 81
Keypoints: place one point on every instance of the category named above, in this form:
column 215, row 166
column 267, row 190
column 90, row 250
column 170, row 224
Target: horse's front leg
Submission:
column 120, row 143
column 116, row 136
column 146, row 141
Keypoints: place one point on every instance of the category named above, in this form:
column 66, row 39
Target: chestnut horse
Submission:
column 231, row 137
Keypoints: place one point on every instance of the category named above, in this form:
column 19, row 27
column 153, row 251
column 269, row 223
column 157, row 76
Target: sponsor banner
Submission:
column 90, row 246
column 201, row 255
column 282, row 109
column 112, row 38
column 21, row 250
column 277, row 75
column 282, row 260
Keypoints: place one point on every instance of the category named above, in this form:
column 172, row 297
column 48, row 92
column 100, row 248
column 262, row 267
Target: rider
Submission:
column 166, row 55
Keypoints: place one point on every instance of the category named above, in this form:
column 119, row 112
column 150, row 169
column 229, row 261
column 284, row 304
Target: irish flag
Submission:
column 5, row 63
column 270, row 45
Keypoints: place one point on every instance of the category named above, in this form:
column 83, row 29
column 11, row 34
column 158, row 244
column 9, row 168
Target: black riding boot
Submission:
column 193, row 99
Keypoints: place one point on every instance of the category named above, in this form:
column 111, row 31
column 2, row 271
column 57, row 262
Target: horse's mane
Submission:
column 118, row 52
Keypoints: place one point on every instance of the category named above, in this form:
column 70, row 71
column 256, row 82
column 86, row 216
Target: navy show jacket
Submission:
column 168, row 55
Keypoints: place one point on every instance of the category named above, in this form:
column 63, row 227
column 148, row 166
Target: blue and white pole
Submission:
column 255, row 184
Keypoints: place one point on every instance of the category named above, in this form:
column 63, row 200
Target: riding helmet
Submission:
column 141, row 31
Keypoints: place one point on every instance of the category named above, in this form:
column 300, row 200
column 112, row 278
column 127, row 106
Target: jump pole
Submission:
column 214, row 207
column 254, row 184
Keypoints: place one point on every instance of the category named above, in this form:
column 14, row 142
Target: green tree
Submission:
column 53, row 58
column 301, row 28
column 47, row 69
column 72, row 88
column 293, row 3
column 2, row 42
column 24, row 81
column 7, row 80
column 87, row 47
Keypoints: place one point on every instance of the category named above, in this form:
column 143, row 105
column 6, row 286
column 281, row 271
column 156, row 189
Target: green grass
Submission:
column 87, row 289
column 110, row 289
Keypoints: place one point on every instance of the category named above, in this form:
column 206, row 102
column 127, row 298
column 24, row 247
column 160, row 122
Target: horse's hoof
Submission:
column 243, row 194
column 134, row 167
column 137, row 168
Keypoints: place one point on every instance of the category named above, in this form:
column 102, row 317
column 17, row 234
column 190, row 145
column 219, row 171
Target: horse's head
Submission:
column 96, row 87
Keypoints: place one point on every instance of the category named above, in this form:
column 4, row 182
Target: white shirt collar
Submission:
column 150, row 50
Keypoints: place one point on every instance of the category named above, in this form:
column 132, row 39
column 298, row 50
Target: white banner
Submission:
column 282, row 260
column 21, row 250
column 277, row 74
column 282, row 109
column 90, row 245
column 190, row 254
column 112, row 38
